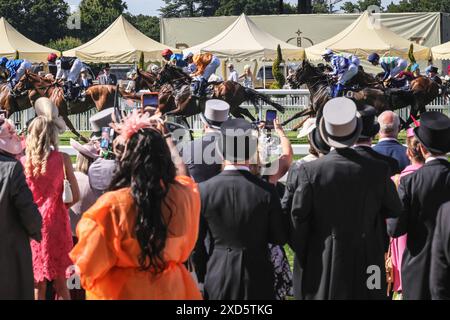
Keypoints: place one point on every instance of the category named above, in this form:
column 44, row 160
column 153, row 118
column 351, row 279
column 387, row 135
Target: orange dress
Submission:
column 106, row 255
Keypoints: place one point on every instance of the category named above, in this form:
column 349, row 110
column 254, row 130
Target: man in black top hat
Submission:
column 440, row 256
column 335, row 205
column 422, row 193
column 243, row 214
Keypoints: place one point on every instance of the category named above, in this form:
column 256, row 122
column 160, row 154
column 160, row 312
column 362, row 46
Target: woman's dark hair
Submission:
column 147, row 168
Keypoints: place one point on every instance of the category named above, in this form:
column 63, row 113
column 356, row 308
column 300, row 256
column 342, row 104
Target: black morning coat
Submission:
column 20, row 221
column 336, row 203
column 243, row 214
column 421, row 193
column 440, row 256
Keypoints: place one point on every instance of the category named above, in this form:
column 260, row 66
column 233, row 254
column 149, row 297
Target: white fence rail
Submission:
column 293, row 101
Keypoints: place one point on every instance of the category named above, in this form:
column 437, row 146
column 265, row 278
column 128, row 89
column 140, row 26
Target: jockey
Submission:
column 16, row 69
column 432, row 73
column 344, row 68
column 177, row 60
column 392, row 66
column 69, row 69
column 189, row 58
column 206, row 64
column 167, row 54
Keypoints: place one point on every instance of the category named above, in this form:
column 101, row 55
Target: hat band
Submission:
column 212, row 122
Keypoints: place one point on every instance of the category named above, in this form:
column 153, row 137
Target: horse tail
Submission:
column 256, row 97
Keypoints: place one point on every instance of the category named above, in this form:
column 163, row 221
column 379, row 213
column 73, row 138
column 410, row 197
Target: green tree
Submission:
column 320, row 6
column 420, row 6
column 180, row 8
column 97, row 15
column 148, row 25
column 360, row 6
column 64, row 44
column 251, row 7
column 277, row 70
column 39, row 20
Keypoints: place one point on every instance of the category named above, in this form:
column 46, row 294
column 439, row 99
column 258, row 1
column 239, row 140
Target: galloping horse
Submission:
column 10, row 103
column 173, row 79
column 421, row 93
column 98, row 96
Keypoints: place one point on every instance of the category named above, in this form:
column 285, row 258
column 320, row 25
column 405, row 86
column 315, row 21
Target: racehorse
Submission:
column 172, row 79
column 10, row 103
column 98, row 96
column 318, row 84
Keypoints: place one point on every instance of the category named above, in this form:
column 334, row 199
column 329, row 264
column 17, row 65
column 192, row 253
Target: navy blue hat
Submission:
column 373, row 57
column 434, row 132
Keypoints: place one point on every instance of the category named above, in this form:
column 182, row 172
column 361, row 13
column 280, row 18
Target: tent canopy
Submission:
column 365, row 36
column 243, row 40
column 12, row 42
column 121, row 42
column 441, row 52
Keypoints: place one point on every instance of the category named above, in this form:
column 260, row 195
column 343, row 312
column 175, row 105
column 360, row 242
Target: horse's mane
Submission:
column 179, row 71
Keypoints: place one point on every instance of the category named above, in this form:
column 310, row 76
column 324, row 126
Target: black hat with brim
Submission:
column 371, row 127
column 317, row 142
column 237, row 143
column 434, row 132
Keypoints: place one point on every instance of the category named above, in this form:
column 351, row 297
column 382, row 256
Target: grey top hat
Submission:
column 341, row 124
column 238, row 140
column 101, row 119
column 216, row 113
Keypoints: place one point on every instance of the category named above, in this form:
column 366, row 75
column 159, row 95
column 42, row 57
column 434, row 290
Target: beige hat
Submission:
column 341, row 124
column 46, row 108
column 307, row 128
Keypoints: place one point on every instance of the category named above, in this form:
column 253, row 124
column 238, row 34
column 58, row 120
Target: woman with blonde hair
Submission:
column 46, row 169
column 247, row 77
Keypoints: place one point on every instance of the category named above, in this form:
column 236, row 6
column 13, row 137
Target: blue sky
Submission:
column 150, row 7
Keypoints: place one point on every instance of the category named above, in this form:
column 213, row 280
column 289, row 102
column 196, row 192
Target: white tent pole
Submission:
column 264, row 75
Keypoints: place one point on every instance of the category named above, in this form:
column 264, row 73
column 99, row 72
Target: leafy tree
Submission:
column 180, row 8
column 420, row 6
column 360, row 6
column 277, row 70
column 39, row 20
column 97, row 15
column 148, row 25
column 320, row 6
column 64, row 44
column 251, row 7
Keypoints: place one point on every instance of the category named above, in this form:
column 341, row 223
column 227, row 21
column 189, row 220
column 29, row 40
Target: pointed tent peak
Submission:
column 365, row 35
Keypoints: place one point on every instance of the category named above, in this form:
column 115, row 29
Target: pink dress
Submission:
column 398, row 245
column 51, row 255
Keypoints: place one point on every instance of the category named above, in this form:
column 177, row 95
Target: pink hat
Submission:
column 9, row 140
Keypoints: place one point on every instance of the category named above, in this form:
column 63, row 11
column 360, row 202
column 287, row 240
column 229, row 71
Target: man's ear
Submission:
column 423, row 150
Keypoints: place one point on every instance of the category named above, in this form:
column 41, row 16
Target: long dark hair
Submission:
column 147, row 168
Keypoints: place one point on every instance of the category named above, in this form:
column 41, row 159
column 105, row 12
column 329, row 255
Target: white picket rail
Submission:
column 292, row 100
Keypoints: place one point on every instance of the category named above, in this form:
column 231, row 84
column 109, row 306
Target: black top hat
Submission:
column 317, row 142
column 434, row 132
column 238, row 142
column 107, row 66
column 370, row 124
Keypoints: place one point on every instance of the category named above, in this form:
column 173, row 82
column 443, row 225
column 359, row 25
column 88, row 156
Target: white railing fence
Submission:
column 293, row 101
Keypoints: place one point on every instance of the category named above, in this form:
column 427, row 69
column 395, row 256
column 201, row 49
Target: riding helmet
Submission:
column 52, row 57
column 3, row 61
column 373, row 57
column 167, row 53
column 327, row 53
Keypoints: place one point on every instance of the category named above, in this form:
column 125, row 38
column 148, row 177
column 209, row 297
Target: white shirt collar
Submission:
column 231, row 167
column 387, row 139
column 435, row 158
